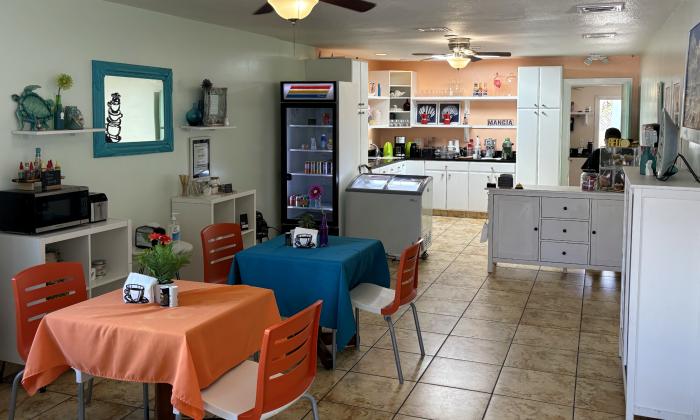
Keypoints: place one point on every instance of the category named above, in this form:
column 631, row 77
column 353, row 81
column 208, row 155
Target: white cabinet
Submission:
column 660, row 295
column 550, row 87
column 528, row 89
column 526, row 163
column 515, row 222
column 549, row 147
column 606, row 232
column 415, row 167
column 566, row 220
column 539, row 125
column 439, row 188
column 457, row 190
column 478, row 196
column 361, row 71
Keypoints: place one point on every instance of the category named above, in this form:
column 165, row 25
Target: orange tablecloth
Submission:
column 215, row 328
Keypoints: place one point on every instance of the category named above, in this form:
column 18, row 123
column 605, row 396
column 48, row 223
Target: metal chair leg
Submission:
column 357, row 329
column 13, row 397
column 334, row 348
column 392, row 333
column 178, row 416
column 420, row 335
column 146, row 413
column 81, row 401
column 314, row 406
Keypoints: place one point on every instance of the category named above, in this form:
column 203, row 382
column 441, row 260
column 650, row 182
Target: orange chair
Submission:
column 220, row 242
column 380, row 300
column 284, row 375
column 38, row 291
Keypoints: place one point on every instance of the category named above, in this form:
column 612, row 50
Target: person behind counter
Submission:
column 592, row 164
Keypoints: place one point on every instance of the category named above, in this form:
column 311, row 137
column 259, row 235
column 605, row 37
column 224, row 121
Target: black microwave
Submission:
column 33, row 212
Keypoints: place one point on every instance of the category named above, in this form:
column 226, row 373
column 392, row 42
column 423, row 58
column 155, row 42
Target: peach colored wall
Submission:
column 433, row 77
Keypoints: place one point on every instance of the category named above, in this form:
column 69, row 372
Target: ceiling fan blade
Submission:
column 492, row 54
column 474, row 58
column 264, row 10
column 356, row 5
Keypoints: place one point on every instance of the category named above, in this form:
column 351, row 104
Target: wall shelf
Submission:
column 464, row 98
column 311, row 150
column 56, row 132
column 497, row 127
column 378, row 98
column 206, row 128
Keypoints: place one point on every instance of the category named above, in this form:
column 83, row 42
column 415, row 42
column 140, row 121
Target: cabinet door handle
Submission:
column 564, row 230
column 543, row 106
column 593, row 232
column 537, row 106
column 563, row 253
column 449, row 176
column 536, row 113
column 535, row 229
column 565, row 208
column 544, row 113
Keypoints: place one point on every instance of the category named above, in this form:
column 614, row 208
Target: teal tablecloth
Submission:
column 299, row 277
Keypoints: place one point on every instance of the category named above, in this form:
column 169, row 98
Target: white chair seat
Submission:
column 371, row 298
column 234, row 393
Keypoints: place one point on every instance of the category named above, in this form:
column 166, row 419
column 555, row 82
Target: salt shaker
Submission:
column 173, row 296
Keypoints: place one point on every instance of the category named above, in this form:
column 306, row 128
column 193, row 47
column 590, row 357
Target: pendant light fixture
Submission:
column 458, row 61
column 293, row 10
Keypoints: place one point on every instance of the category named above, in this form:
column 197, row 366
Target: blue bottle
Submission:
column 324, row 142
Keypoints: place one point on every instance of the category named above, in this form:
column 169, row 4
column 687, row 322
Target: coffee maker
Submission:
column 400, row 146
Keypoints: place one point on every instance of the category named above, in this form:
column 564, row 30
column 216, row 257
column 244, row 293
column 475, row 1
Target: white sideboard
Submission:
column 555, row 226
column 660, row 311
column 457, row 185
column 194, row 213
column 109, row 240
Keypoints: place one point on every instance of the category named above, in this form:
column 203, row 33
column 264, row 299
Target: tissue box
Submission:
column 139, row 288
column 304, row 238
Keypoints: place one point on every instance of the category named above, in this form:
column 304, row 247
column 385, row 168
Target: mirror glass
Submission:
column 134, row 109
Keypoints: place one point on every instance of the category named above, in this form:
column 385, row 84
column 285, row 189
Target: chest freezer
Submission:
column 394, row 209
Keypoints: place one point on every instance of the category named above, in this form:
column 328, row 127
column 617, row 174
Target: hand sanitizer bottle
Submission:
column 174, row 228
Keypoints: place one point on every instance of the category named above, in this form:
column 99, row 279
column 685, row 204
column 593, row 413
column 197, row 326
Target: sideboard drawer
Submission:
column 561, row 252
column 565, row 230
column 566, row 208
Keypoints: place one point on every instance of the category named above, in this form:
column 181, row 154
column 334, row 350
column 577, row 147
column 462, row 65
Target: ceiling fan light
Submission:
column 293, row 9
column 458, row 62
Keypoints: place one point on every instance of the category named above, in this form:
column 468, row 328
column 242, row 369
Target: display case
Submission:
column 613, row 160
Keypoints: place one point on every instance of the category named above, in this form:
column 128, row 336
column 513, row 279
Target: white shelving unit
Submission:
column 109, row 240
column 206, row 128
column 56, row 132
column 497, row 127
column 197, row 212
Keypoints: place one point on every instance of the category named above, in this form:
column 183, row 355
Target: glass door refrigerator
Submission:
column 309, row 153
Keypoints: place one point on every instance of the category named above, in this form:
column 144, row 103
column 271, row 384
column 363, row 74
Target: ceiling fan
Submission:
column 462, row 54
column 294, row 10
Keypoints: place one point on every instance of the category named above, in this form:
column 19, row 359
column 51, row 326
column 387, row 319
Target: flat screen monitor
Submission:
column 690, row 122
column 668, row 147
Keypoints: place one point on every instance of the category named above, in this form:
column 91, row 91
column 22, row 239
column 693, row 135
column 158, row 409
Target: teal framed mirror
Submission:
column 135, row 106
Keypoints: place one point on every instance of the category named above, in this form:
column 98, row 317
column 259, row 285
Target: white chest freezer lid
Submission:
column 407, row 183
column 364, row 182
column 392, row 184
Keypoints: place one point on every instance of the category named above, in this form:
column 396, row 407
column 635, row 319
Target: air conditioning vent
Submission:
column 599, row 35
column 434, row 29
column 600, row 8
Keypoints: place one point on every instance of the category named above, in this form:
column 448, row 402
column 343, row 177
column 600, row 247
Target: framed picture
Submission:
column 426, row 113
column 676, row 105
column 200, row 158
column 214, row 112
column 450, row 108
column 690, row 124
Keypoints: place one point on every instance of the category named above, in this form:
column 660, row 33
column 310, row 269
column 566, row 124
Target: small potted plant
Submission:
column 64, row 82
column 161, row 261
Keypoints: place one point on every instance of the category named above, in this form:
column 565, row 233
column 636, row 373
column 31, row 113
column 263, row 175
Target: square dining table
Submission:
column 300, row 276
column 214, row 328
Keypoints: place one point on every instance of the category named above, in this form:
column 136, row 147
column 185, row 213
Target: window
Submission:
column 608, row 114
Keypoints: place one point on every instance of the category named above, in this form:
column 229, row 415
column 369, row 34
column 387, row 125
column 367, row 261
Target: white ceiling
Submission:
column 524, row 27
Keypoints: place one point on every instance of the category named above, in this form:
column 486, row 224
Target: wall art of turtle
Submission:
column 114, row 119
column 33, row 109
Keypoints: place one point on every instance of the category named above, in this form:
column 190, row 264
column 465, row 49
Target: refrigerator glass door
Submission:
column 310, row 161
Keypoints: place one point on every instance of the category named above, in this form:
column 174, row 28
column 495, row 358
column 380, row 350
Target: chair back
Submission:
column 406, row 280
column 287, row 360
column 40, row 290
column 220, row 242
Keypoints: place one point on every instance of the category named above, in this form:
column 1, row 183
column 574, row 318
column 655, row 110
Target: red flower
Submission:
column 155, row 236
column 165, row 239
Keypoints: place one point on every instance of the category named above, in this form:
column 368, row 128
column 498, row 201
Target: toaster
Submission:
column 98, row 207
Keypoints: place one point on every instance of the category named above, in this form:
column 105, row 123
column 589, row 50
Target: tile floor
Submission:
column 522, row 343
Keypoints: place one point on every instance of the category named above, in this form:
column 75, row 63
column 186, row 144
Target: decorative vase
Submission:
column 407, row 105
column 323, row 232
column 58, row 115
column 424, row 118
column 194, row 115
column 447, row 118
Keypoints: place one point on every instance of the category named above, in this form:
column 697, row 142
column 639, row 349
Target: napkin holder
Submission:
column 304, row 238
column 139, row 288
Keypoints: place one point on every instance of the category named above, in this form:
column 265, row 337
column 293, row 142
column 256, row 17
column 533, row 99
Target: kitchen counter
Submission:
column 376, row 163
column 558, row 191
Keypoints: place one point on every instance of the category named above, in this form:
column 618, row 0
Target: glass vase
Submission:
column 323, row 232
column 58, row 115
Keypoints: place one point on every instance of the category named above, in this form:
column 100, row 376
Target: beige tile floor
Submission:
column 531, row 343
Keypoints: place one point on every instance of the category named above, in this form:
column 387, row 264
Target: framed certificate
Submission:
column 200, row 158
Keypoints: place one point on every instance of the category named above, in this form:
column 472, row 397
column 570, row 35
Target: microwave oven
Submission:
column 34, row 212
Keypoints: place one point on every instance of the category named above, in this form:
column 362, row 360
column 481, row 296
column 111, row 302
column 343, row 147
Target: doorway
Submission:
column 590, row 107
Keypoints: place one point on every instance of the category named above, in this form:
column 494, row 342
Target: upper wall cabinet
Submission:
column 539, row 87
column 134, row 104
